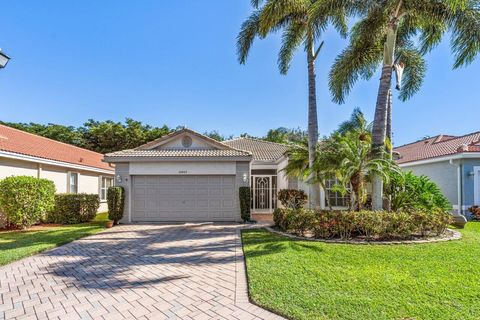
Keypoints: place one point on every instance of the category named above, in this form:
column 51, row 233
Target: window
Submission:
column 73, row 182
column 336, row 198
column 105, row 184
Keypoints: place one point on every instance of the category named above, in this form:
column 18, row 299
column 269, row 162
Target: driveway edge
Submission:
column 242, row 299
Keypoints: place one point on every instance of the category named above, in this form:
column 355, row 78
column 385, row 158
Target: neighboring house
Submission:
column 72, row 169
column 452, row 162
column 186, row 176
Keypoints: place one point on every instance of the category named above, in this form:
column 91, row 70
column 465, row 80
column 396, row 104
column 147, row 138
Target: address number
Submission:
column 182, row 171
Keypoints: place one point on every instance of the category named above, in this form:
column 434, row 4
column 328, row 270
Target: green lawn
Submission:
column 15, row 245
column 313, row 280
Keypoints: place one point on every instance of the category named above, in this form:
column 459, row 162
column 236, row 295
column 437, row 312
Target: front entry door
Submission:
column 264, row 194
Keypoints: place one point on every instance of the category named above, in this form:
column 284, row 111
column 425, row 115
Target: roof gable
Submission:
column 184, row 139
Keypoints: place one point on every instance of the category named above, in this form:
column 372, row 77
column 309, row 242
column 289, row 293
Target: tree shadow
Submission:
column 142, row 256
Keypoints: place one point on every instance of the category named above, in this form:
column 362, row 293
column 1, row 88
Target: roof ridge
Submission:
column 410, row 143
column 50, row 139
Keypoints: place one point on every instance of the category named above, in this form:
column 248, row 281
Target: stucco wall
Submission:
column 11, row 167
column 122, row 171
column 443, row 174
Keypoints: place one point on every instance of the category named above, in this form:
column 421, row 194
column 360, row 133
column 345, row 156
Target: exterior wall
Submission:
column 122, row 171
column 443, row 174
column 282, row 179
column 173, row 168
column 58, row 175
column 11, row 167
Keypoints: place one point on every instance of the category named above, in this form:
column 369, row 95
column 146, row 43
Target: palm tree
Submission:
column 298, row 30
column 386, row 36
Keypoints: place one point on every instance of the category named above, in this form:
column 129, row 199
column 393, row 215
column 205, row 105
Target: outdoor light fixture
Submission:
column 119, row 178
column 245, row 178
column 3, row 59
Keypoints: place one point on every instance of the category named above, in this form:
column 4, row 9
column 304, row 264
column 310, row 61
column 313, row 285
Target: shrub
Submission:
column 74, row 208
column 26, row 200
column 292, row 198
column 409, row 192
column 378, row 225
column 116, row 203
column 245, row 199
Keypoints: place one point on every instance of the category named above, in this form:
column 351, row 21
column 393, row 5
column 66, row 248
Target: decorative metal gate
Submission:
column 264, row 193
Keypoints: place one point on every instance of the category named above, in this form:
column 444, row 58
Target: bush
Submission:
column 245, row 200
column 377, row 225
column 74, row 208
column 26, row 200
column 475, row 213
column 116, row 203
column 410, row 192
column 292, row 198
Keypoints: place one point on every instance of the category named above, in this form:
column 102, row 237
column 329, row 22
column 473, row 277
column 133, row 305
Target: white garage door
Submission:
column 183, row 198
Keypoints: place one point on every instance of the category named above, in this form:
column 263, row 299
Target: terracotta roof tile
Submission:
column 438, row 146
column 261, row 150
column 21, row 142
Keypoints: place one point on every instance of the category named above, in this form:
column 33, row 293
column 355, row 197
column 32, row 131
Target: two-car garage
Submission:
column 183, row 198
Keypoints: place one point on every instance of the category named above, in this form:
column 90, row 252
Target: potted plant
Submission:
column 109, row 224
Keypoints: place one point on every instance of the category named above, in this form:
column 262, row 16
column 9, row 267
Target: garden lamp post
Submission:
column 3, row 59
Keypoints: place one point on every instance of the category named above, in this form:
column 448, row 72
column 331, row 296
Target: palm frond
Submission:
column 466, row 34
column 248, row 33
column 414, row 72
column 293, row 37
column 276, row 14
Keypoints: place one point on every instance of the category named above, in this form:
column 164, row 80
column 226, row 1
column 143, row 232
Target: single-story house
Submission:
column 72, row 169
column 452, row 162
column 186, row 176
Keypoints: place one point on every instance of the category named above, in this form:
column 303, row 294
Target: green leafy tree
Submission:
column 285, row 135
column 386, row 36
column 299, row 29
column 214, row 134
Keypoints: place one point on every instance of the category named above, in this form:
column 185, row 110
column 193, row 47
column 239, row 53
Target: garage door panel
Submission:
column 183, row 198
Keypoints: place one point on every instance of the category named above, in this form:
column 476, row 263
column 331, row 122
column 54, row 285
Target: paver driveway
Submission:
column 192, row 271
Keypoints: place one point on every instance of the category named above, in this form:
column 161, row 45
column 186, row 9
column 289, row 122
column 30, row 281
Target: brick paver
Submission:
column 191, row 271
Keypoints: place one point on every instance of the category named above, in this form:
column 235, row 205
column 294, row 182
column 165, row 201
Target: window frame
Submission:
column 340, row 201
column 69, row 182
column 104, row 188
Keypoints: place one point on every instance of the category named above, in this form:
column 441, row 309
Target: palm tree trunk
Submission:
column 380, row 119
column 314, row 194
column 389, row 122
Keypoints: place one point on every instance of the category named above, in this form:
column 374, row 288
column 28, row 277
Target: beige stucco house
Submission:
column 72, row 169
column 186, row 176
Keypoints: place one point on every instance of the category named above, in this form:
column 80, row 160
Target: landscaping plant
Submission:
column 74, row 208
column 26, row 200
column 292, row 198
column 245, row 200
column 116, row 203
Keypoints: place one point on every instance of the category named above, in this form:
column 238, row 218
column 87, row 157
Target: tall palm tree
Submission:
column 386, row 36
column 292, row 17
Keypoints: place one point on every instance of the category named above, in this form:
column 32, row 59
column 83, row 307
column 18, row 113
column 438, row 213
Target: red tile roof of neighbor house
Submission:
column 21, row 142
column 438, row 146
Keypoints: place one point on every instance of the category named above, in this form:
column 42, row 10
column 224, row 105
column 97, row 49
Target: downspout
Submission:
column 459, row 185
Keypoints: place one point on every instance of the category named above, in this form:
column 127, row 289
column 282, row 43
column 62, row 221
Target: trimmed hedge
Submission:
column 116, row 203
column 370, row 225
column 245, row 200
column 26, row 200
column 292, row 198
column 74, row 208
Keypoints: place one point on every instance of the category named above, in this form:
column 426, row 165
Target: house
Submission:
column 186, row 176
column 452, row 162
column 72, row 169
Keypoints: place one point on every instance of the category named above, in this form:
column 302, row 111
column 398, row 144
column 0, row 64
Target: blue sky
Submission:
column 174, row 63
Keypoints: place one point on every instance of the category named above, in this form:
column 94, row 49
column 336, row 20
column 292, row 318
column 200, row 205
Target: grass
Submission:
column 16, row 245
column 313, row 280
